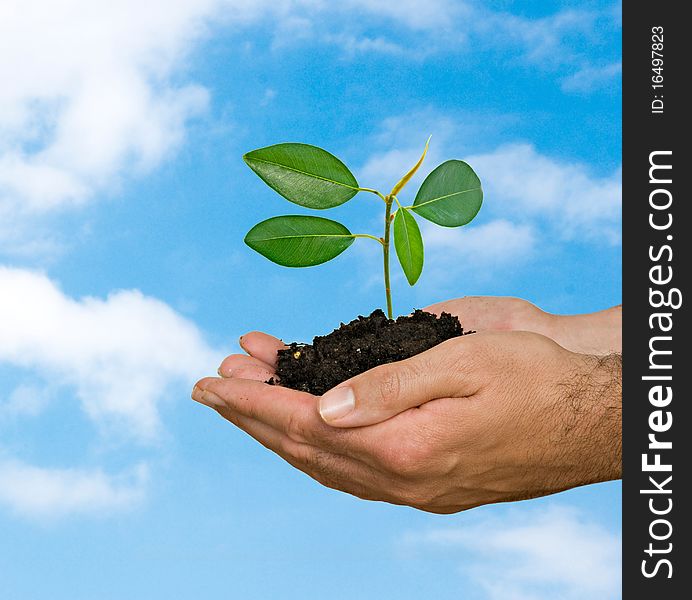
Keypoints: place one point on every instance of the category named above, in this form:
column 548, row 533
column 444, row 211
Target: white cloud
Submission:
column 550, row 42
column 545, row 40
column 481, row 251
column 97, row 92
column 490, row 244
column 383, row 169
column 92, row 93
column 49, row 494
column 554, row 553
column 25, row 400
column 121, row 354
column 363, row 44
column 591, row 77
column 101, row 91
column 528, row 195
column 399, row 143
column 564, row 196
column 432, row 14
column 530, row 199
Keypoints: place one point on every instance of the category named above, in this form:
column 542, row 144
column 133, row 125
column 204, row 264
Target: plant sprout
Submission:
column 309, row 176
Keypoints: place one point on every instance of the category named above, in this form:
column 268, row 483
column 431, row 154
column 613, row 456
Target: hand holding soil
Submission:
column 592, row 333
column 495, row 416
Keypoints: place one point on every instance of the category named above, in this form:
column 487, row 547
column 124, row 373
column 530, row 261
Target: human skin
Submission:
column 592, row 333
column 497, row 416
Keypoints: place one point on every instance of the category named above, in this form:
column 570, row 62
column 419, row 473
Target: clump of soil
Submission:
column 360, row 345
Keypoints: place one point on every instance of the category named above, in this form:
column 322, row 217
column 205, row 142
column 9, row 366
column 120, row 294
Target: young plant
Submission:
column 309, row 176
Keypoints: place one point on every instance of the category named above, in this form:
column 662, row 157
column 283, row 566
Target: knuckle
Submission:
column 408, row 459
column 389, row 386
column 295, row 428
column 299, row 455
column 318, row 461
column 455, row 353
column 333, row 472
column 321, row 466
column 388, row 457
column 405, row 463
column 392, row 381
column 469, row 355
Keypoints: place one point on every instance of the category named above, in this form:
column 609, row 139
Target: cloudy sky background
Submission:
column 123, row 278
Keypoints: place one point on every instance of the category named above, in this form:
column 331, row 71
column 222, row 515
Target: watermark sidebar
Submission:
column 657, row 357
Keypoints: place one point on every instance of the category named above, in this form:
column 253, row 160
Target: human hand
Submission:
column 491, row 417
column 592, row 333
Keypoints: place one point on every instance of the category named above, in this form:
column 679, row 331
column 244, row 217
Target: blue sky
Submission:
column 123, row 279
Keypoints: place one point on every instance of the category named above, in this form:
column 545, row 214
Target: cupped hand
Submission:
column 591, row 333
column 476, row 313
column 490, row 417
column 597, row 333
column 502, row 313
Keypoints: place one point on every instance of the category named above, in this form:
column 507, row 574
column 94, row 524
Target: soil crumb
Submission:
column 360, row 345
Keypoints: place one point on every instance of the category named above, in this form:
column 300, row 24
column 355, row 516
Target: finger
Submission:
column 344, row 474
column 256, row 374
column 331, row 470
column 387, row 390
column 440, row 307
column 474, row 312
column 276, row 441
column 482, row 313
column 270, row 438
column 247, row 367
column 288, row 411
column 261, row 346
column 291, row 412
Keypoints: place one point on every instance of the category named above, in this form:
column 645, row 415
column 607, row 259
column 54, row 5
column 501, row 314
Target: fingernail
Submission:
column 337, row 403
column 207, row 398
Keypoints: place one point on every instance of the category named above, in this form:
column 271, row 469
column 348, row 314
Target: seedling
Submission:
column 309, row 176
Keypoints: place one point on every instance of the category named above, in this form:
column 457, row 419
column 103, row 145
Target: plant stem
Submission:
column 367, row 235
column 382, row 196
column 385, row 251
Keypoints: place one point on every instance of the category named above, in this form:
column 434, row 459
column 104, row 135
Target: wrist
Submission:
column 598, row 333
column 591, row 419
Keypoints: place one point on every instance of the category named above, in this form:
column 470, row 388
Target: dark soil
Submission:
column 360, row 345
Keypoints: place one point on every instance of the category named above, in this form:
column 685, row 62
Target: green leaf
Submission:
column 409, row 244
column 304, row 174
column 299, row 241
column 412, row 171
column 450, row 196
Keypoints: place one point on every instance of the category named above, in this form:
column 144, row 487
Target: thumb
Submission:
column 387, row 390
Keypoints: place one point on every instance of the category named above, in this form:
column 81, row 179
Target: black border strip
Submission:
column 655, row 546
